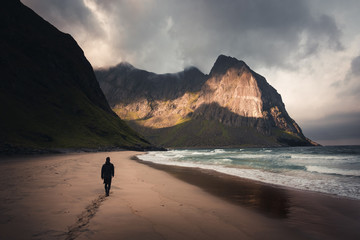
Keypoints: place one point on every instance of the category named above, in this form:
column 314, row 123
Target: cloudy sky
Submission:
column 309, row 50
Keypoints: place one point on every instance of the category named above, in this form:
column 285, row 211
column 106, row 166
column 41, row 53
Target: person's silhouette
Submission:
column 107, row 172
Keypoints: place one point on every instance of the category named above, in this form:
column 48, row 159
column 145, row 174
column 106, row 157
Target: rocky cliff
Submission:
column 232, row 106
column 49, row 96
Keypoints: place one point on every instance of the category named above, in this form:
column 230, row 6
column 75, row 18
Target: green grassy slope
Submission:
column 200, row 133
column 49, row 125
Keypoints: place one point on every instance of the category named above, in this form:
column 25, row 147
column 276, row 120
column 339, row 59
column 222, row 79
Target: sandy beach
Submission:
column 62, row 197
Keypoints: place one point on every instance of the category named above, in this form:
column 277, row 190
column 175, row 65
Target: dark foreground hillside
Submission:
column 49, row 96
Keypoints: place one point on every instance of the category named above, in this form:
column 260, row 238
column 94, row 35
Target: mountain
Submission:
column 49, row 96
column 232, row 106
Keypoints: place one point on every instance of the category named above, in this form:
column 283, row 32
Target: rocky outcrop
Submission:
column 49, row 96
column 232, row 98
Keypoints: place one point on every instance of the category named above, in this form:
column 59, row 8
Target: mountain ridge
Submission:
column 231, row 96
column 49, row 96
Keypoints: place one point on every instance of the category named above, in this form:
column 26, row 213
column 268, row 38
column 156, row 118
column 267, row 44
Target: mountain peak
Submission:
column 233, row 106
column 125, row 65
column 191, row 68
column 223, row 63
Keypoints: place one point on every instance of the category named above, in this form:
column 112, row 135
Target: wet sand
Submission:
column 319, row 216
column 62, row 197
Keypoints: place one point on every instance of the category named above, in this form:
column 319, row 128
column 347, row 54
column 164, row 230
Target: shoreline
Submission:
column 209, row 172
column 295, row 207
column 326, row 170
column 62, row 197
column 225, row 186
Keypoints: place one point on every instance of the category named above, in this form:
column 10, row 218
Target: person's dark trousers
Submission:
column 107, row 182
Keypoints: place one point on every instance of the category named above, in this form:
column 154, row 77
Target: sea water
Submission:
column 331, row 169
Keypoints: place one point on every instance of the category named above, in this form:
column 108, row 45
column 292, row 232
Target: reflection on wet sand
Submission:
column 272, row 201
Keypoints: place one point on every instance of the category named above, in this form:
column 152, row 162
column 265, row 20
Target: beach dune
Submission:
column 62, row 197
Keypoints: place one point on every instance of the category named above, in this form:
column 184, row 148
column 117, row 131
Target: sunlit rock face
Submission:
column 231, row 97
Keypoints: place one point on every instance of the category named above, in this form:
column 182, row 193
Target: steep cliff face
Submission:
column 234, row 86
column 232, row 106
column 49, row 96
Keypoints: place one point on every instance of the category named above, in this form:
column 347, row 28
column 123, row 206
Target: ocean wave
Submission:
column 296, row 179
column 203, row 153
column 266, row 150
column 308, row 168
column 261, row 156
column 318, row 157
column 326, row 170
column 219, row 151
column 226, row 160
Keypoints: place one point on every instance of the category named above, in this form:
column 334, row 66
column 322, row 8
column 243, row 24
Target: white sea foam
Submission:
column 326, row 170
column 332, row 158
column 267, row 150
column 226, row 160
column 305, row 178
column 204, row 153
column 219, row 150
column 260, row 156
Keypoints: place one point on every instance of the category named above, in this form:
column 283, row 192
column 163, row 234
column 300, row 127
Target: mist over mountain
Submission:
column 49, row 96
column 231, row 106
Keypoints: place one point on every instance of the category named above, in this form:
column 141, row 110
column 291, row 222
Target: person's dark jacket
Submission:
column 107, row 171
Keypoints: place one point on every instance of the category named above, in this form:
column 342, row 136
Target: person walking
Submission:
column 107, row 172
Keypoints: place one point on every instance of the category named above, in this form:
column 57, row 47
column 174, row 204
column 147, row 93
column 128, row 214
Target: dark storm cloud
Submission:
column 350, row 85
column 355, row 66
column 335, row 127
column 353, row 78
column 67, row 15
column 261, row 32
